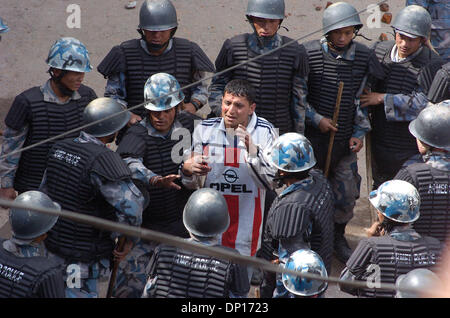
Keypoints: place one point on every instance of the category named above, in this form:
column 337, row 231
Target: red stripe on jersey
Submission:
column 229, row 237
column 231, row 157
column 257, row 219
column 205, row 150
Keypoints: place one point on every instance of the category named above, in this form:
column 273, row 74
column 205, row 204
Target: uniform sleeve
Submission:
column 116, row 88
column 12, row 140
column 139, row 171
column 401, row 107
column 218, row 83
column 125, row 197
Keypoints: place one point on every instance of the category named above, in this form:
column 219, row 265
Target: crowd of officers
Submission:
column 270, row 173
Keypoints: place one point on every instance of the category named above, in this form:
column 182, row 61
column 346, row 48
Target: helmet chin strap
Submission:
column 57, row 80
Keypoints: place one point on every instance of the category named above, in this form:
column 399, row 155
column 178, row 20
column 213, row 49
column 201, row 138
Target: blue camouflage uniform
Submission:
column 15, row 139
column 299, row 88
column 440, row 24
column 116, row 83
column 128, row 202
column 345, row 180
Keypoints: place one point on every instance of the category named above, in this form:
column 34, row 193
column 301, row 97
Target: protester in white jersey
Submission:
column 227, row 155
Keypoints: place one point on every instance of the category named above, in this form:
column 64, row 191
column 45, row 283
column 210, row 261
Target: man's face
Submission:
column 406, row 45
column 236, row 110
column 163, row 120
column 341, row 37
column 72, row 80
column 265, row 27
column 157, row 37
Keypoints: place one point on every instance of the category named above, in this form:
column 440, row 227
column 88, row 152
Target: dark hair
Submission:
column 241, row 88
column 388, row 224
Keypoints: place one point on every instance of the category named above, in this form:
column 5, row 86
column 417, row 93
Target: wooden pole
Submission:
column 333, row 133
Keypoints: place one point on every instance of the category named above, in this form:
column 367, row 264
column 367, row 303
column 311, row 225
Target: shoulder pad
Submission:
column 113, row 63
column 110, row 166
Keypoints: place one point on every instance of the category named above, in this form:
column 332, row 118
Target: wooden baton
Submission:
column 333, row 133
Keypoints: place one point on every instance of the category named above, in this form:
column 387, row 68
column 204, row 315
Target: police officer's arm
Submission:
column 124, row 196
column 202, row 66
column 356, row 266
column 219, row 82
column 14, row 136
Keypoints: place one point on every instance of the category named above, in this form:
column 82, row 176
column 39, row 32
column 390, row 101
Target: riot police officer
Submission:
column 302, row 214
column 303, row 261
column 25, row 270
column 148, row 149
column 338, row 58
column 85, row 176
column 432, row 177
column 410, row 66
column 42, row 112
column 393, row 247
column 280, row 91
column 175, row 272
column 128, row 65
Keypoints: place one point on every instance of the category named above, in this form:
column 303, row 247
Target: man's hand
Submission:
column 197, row 164
column 355, row 144
column 7, row 194
column 371, row 98
column 189, row 107
column 120, row 255
column 244, row 136
column 134, row 119
column 166, row 182
column 375, row 230
column 326, row 124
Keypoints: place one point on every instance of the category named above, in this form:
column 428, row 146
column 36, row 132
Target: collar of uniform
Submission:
column 302, row 184
column 50, row 96
column 348, row 54
column 84, row 137
column 395, row 58
column 144, row 46
column 439, row 160
column 253, row 44
column 154, row 133
column 250, row 126
column 404, row 233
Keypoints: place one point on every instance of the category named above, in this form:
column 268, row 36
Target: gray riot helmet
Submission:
column 413, row 21
column 157, row 15
column 340, row 15
column 101, row 108
column 421, row 279
column 206, row 213
column 267, row 9
column 27, row 224
column 432, row 126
